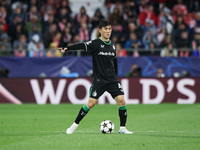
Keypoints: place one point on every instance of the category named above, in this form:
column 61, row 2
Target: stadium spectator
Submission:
column 129, row 11
column 142, row 6
column 84, row 33
column 32, row 3
column 33, row 12
column 135, row 71
column 183, row 40
column 96, row 18
column 63, row 13
column 17, row 12
column 20, row 51
column 1, row 28
column 67, row 36
column 160, row 73
column 62, row 24
column 19, row 4
column 5, row 41
column 196, row 41
column 4, row 50
column 36, row 47
column 4, row 72
column 57, row 40
column 46, row 24
column 149, row 26
column 47, row 9
column 116, row 17
column 132, row 27
column 126, row 18
column 133, row 42
column 17, row 32
column 53, row 52
column 12, row 25
column 75, row 40
column 196, row 52
column 148, row 38
column 197, row 20
column 115, row 39
column 94, row 34
column 6, row 5
column 168, row 39
column 116, row 4
column 21, row 42
column 179, row 20
column 34, row 31
column 183, row 44
column 33, row 22
column 162, row 33
column 3, row 15
column 179, row 8
column 3, row 21
column 191, row 22
column 65, row 4
column 80, row 18
column 165, row 19
column 177, row 31
column 149, row 14
column 152, row 51
column 117, row 33
column 119, row 51
column 169, row 51
column 49, row 34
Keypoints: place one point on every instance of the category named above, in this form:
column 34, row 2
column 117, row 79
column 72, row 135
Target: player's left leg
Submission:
column 122, row 114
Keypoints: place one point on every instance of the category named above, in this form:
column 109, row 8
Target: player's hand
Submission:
column 62, row 49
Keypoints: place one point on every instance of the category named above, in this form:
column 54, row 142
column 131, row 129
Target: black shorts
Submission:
column 97, row 89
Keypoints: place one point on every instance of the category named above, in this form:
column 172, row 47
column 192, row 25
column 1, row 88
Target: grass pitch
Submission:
column 155, row 127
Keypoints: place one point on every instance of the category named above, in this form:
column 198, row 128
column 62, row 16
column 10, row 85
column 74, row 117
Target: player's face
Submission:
column 105, row 32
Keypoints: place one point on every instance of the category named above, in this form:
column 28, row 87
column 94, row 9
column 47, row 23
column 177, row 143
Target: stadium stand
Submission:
column 36, row 28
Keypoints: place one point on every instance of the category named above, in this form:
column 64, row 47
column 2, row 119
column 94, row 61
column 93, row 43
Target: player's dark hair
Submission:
column 103, row 23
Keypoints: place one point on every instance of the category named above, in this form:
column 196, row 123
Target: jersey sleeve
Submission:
column 90, row 46
column 79, row 46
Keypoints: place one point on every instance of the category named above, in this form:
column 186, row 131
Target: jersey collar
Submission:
column 108, row 43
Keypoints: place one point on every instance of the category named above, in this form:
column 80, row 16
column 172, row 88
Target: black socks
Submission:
column 83, row 111
column 122, row 115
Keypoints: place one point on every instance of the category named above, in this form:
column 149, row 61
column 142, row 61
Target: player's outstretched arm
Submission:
column 79, row 46
column 62, row 49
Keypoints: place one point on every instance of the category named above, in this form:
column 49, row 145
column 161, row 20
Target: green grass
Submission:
column 155, row 127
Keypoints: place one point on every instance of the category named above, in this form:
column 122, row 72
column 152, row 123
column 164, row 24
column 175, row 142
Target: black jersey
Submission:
column 104, row 60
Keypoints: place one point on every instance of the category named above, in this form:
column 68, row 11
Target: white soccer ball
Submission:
column 107, row 126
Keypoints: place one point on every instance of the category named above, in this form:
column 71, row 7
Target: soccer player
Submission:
column 104, row 74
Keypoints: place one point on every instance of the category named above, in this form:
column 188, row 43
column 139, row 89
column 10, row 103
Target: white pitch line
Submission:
column 170, row 131
column 98, row 131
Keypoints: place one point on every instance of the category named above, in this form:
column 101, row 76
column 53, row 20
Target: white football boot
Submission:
column 71, row 129
column 123, row 130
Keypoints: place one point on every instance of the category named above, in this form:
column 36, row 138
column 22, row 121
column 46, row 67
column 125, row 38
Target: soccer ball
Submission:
column 107, row 126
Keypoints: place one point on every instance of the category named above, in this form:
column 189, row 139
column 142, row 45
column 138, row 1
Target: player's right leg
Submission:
column 82, row 113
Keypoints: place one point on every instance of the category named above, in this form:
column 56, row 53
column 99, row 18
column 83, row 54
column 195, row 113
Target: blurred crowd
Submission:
column 140, row 27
